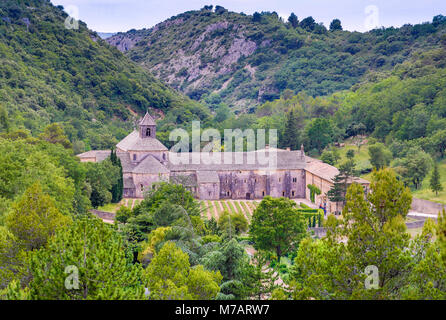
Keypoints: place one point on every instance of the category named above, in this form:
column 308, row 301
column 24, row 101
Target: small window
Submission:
column 164, row 156
column 148, row 132
column 283, row 194
column 294, row 179
column 292, row 193
column 134, row 157
column 245, row 180
column 209, row 193
column 280, row 179
column 263, row 193
column 255, row 180
column 142, row 188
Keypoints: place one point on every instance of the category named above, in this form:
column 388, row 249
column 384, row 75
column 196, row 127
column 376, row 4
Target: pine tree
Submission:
column 341, row 182
column 291, row 131
column 101, row 268
column 118, row 187
column 435, row 181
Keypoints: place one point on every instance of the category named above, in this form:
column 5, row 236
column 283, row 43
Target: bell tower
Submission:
column 147, row 127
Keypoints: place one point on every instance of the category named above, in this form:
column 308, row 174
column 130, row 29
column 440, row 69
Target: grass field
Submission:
column 113, row 207
column 362, row 162
column 426, row 193
column 214, row 209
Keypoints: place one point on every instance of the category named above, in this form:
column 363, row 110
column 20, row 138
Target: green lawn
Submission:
column 110, row 207
column 362, row 162
column 425, row 191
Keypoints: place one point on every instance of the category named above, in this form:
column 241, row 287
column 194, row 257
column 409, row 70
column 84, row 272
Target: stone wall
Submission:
column 143, row 182
column 255, row 184
column 209, row 191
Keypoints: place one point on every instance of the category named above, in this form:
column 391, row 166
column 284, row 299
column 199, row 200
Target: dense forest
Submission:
column 64, row 91
column 217, row 56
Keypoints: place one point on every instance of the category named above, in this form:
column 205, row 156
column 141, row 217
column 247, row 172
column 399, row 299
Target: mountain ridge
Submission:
column 221, row 56
column 49, row 73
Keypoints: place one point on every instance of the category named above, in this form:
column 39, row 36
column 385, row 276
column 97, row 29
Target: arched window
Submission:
column 148, row 132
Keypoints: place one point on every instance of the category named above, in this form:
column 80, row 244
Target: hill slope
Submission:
column 49, row 73
column 243, row 60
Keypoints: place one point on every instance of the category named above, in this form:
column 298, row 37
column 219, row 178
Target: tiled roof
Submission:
column 95, row 153
column 150, row 165
column 326, row 171
column 207, row 177
column 147, row 120
column 126, row 163
column 248, row 161
column 133, row 142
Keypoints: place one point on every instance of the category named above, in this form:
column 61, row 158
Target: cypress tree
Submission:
column 435, row 181
column 291, row 131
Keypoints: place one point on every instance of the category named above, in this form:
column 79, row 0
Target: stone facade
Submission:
column 146, row 161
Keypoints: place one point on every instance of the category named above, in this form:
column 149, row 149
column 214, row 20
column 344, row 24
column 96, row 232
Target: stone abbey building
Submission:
column 145, row 160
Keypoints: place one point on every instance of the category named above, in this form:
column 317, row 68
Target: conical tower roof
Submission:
column 147, row 121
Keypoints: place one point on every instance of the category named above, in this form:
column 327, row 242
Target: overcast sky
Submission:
column 359, row 15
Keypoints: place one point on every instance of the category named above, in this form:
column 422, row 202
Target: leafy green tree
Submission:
column 223, row 112
column 276, row 226
column 173, row 193
column 427, row 279
column 292, row 19
column 13, row 259
column 56, row 135
column 415, row 167
column 328, row 157
column 376, row 236
column 169, row 276
column 232, row 224
column 259, row 277
column 118, row 187
column 230, row 259
column 341, row 182
column 350, row 154
column 441, row 233
column 308, row 24
column 24, row 162
column 380, row 156
column 435, row 182
column 437, row 142
column 123, row 214
column 293, row 126
column 101, row 178
column 319, row 133
column 4, row 120
column 314, row 190
column 34, row 218
column 256, row 17
column 335, row 25
column 95, row 252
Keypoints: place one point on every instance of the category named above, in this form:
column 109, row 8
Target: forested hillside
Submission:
column 241, row 60
column 49, row 73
